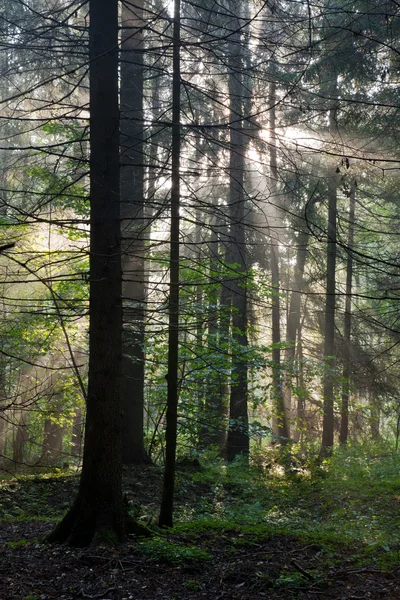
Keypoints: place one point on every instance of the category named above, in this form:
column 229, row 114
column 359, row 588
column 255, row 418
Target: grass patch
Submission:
column 162, row 550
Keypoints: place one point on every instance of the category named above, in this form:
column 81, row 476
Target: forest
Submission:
column 199, row 292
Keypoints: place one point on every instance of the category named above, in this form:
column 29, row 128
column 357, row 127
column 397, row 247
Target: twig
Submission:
column 94, row 596
column 301, row 570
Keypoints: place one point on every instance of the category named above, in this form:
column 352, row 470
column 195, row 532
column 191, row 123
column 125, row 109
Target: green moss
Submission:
column 17, row 544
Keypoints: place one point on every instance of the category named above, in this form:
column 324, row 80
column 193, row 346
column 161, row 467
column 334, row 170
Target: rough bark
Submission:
column 167, row 501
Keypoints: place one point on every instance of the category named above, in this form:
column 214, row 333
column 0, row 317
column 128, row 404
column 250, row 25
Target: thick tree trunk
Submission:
column 167, row 501
column 344, row 422
column 238, row 434
column 133, row 228
column 98, row 512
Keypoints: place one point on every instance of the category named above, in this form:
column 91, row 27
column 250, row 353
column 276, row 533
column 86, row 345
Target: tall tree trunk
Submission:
column 375, row 415
column 132, row 230
column 330, row 302
column 280, row 413
column 238, row 434
column 293, row 320
column 167, row 501
column 98, row 513
column 344, row 423
column 3, row 435
column 218, row 320
column 52, row 437
column 20, row 438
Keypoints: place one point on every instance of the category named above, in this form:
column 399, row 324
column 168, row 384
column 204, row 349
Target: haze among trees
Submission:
column 199, row 253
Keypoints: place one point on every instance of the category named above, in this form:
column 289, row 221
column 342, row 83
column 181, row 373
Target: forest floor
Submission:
column 239, row 534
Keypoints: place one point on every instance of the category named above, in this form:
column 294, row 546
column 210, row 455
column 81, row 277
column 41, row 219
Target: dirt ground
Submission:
column 239, row 566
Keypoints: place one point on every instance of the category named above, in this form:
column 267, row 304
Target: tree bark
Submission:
column 167, row 501
column 98, row 513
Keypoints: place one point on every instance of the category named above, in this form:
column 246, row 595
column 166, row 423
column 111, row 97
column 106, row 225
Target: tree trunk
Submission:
column 330, row 303
column 218, row 319
column 238, row 433
column 98, row 512
column 344, row 422
column 20, row 439
column 52, row 439
column 280, row 420
column 293, row 320
column 375, row 421
column 167, row 501
column 77, row 434
column 133, row 231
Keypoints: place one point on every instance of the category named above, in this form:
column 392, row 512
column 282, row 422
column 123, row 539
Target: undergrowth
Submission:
column 348, row 507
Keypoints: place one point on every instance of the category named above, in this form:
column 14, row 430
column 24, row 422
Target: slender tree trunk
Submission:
column 280, row 412
column 133, row 231
column 167, row 501
column 3, row 435
column 293, row 319
column 344, row 423
column 218, row 319
column 20, row 439
column 302, row 393
column 52, row 439
column 330, row 307
column 238, row 435
column 98, row 513
column 375, row 421
column 330, row 303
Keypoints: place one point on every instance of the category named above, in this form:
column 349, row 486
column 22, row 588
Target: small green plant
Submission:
column 288, row 580
column 163, row 550
column 192, row 585
column 18, row 544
